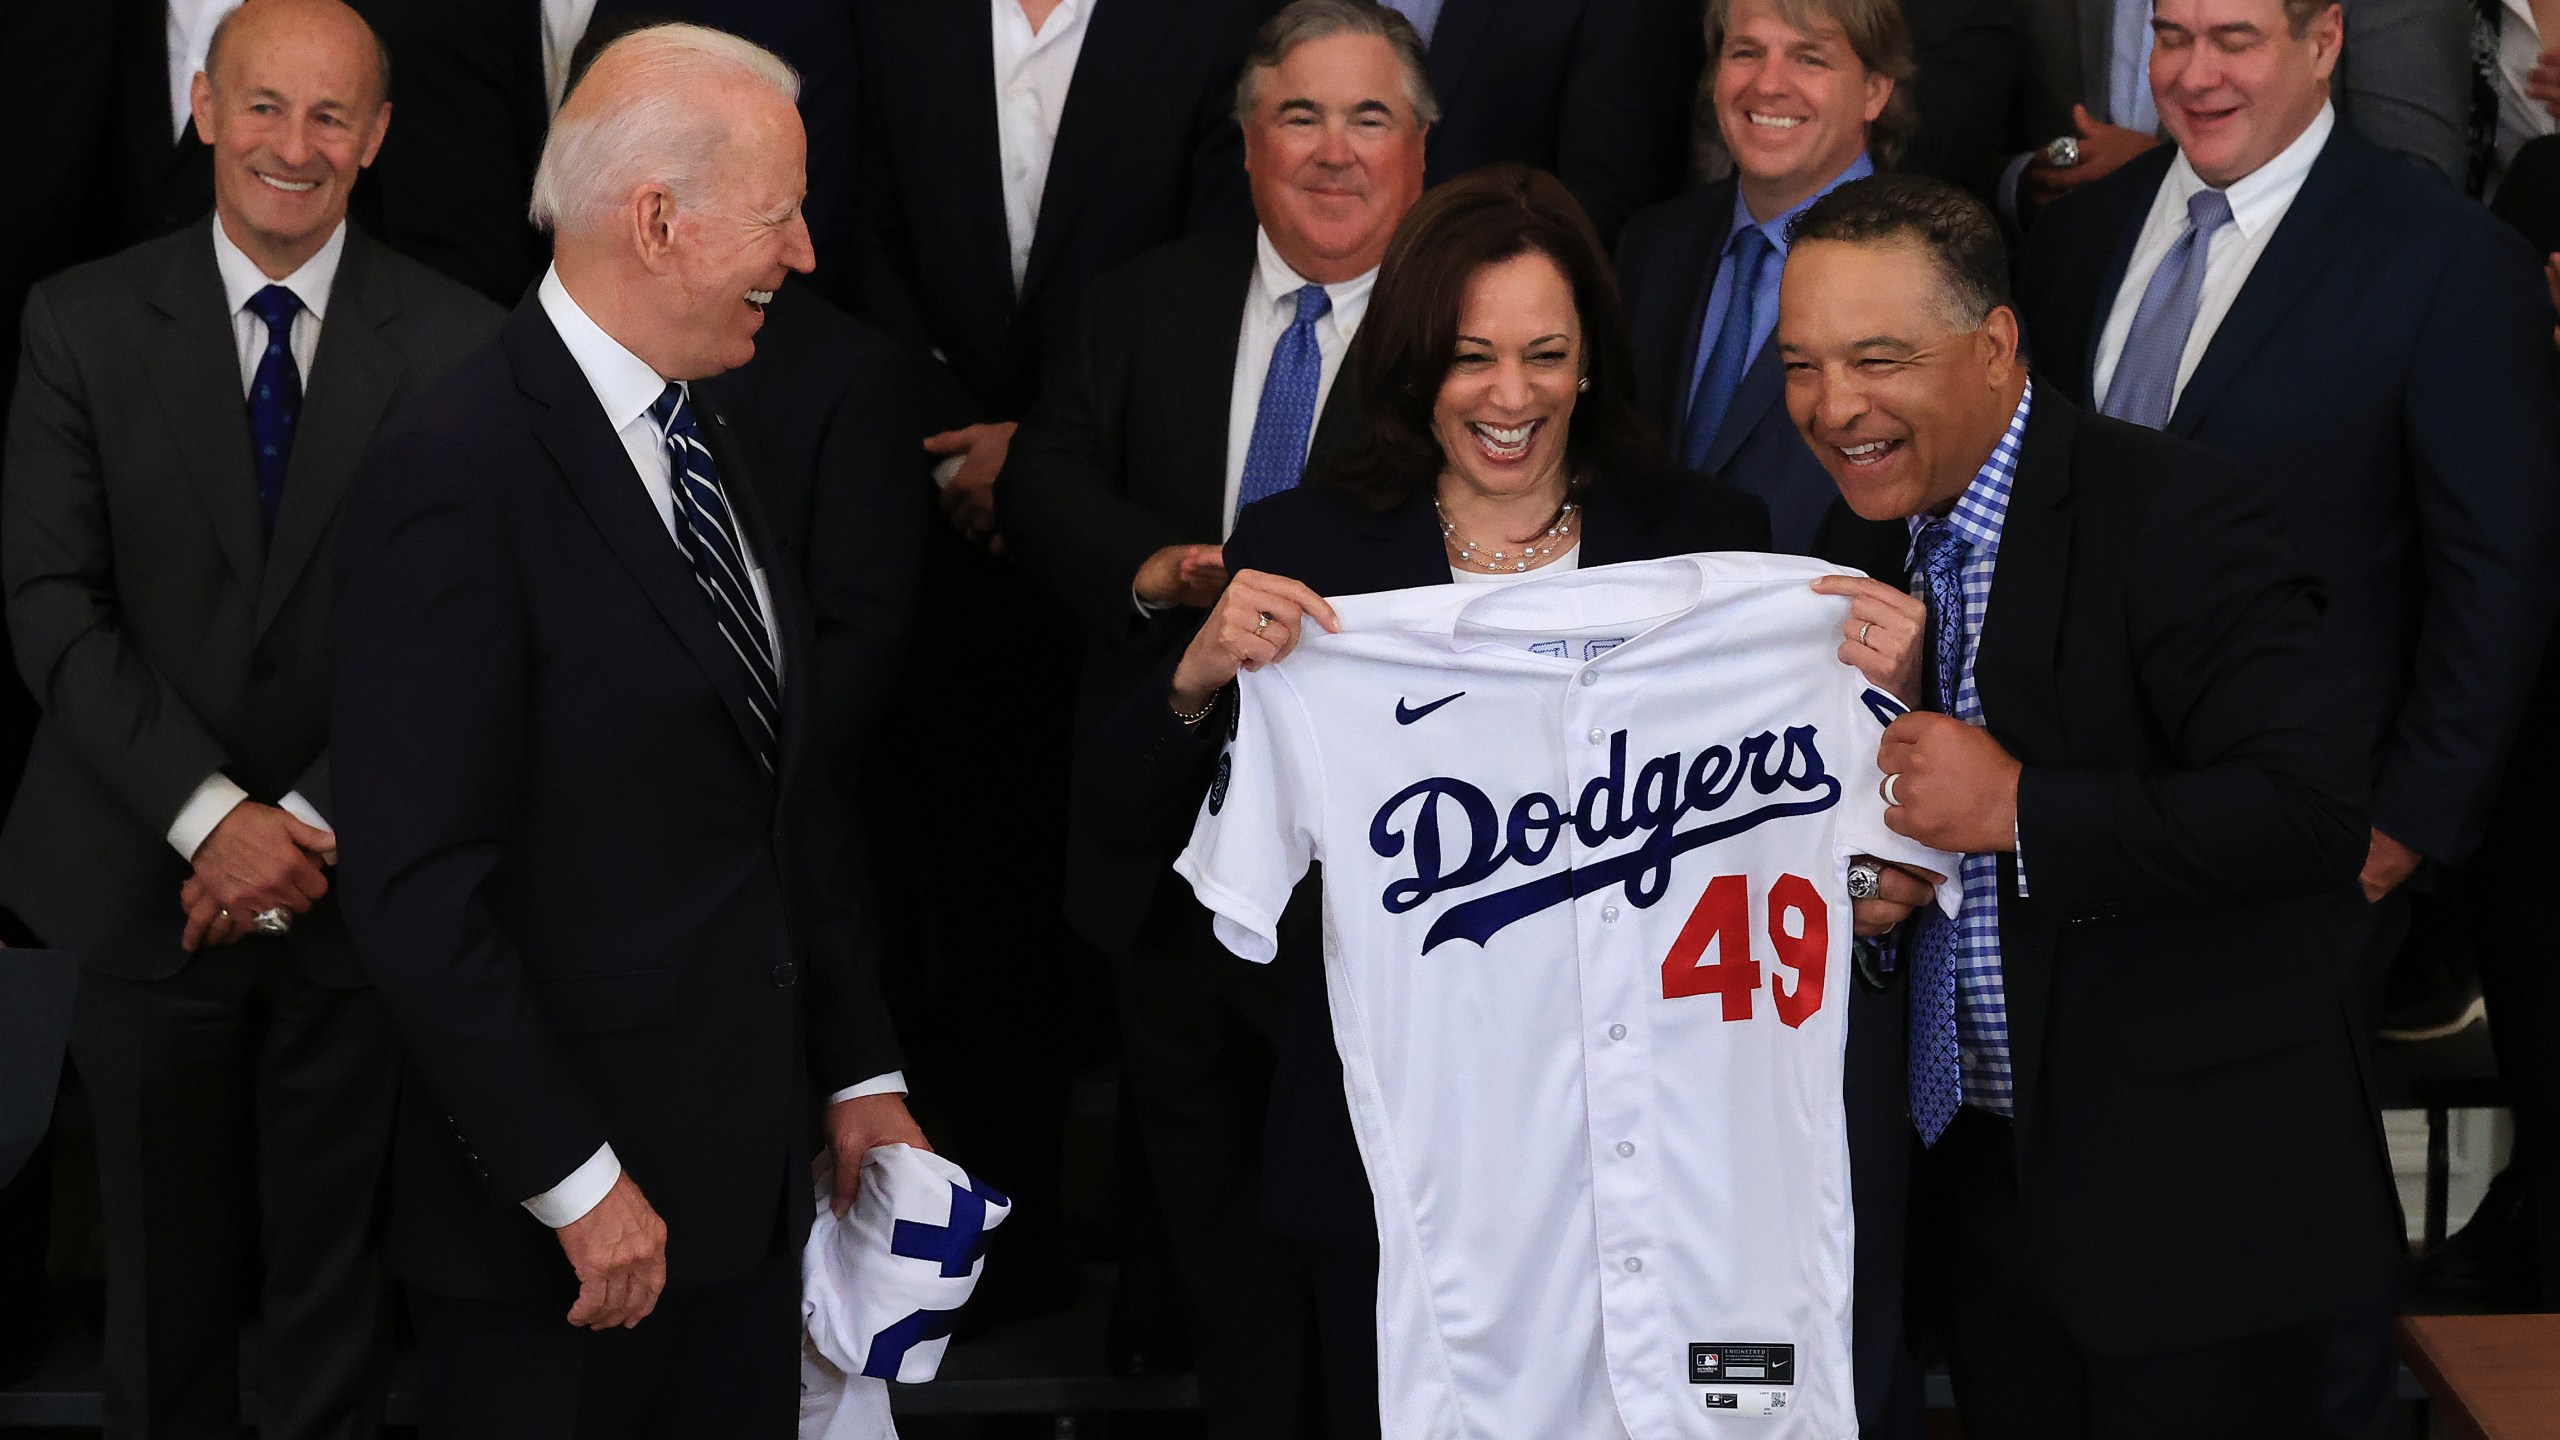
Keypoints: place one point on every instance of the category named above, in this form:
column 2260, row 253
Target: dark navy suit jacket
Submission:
column 593, row 913
column 2387, row 373
column 1667, row 269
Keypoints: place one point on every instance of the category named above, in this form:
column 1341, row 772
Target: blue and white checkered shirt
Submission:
column 1982, row 1006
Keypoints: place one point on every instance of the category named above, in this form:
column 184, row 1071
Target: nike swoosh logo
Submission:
column 1407, row 714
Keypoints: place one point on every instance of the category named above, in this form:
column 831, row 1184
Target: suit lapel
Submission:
column 2284, row 270
column 1404, row 545
column 353, row 377
column 599, row 473
column 1201, row 377
column 742, row 480
column 957, row 83
column 195, row 370
column 1120, row 45
column 2131, row 206
column 1762, row 386
column 2014, row 667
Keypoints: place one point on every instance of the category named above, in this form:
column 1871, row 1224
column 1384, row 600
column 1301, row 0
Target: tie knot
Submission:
column 1939, row 546
column 1749, row 243
column 1313, row 302
column 2208, row 210
column 276, row 305
column 668, row 405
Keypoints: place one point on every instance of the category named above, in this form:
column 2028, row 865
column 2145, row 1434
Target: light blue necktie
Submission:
column 1423, row 13
column 709, row 534
column 1287, row 415
column 275, row 399
column 1936, row 1071
column 2145, row 387
column 1731, row 357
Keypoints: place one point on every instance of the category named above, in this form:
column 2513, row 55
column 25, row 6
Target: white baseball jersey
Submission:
column 1587, row 936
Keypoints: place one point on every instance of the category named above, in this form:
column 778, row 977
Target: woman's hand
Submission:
column 1883, row 634
column 1253, row 624
column 1899, row 891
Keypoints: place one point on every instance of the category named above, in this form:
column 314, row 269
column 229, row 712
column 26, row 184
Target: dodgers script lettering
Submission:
column 1458, row 838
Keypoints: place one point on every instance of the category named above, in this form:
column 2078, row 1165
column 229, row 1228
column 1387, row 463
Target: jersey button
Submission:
column 1590, row 677
column 1626, row 1148
column 1634, row 1264
column 1597, row 737
column 1608, row 914
column 1617, row 1032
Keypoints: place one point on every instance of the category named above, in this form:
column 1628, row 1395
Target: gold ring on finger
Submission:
column 1863, row 628
column 1262, row 624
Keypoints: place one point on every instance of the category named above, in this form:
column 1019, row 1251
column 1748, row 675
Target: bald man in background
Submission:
column 188, row 414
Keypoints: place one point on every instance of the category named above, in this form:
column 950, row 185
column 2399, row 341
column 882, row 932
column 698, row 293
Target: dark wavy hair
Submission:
column 1409, row 338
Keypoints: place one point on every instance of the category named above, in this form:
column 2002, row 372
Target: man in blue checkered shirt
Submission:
column 2152, row 1177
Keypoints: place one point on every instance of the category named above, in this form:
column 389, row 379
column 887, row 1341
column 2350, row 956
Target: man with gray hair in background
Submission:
column 588, row 847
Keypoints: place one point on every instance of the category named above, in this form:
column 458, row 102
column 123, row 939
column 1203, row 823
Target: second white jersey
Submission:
column 1587, row 940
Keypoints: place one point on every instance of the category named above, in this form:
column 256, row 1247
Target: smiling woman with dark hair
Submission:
column 1497, row 438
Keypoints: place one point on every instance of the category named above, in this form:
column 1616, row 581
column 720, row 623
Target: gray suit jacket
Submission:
column 2404, row 80
column 163, row 636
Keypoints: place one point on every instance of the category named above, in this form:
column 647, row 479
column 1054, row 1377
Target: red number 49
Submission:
column 1799, row 927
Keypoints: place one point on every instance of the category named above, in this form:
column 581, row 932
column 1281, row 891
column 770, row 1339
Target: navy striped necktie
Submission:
column 709, row 534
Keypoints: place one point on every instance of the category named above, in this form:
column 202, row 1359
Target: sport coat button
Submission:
column 785, row 974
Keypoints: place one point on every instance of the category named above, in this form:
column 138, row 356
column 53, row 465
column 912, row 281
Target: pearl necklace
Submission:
column 1532, row 551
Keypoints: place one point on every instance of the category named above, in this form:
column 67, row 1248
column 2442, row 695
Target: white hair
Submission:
column 655, row 127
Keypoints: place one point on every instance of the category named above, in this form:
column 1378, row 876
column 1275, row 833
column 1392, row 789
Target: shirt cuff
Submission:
column 300, row 809
column 893, row 1083
column 568, row 1202
column 204, row 809
column 944, row 469
column 2018, row 853
column 1146, row 611
column 2010, row 175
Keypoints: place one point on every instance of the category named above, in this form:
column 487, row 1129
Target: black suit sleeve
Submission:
column 2484, row 451
column 870, row 510
column 1622, row 136
column 851, row 1038
column 133, row 730
column 430, row 728
column 1061, row 503
column 2265, row 800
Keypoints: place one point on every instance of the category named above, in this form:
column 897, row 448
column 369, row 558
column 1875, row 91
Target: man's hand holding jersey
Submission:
column 1949, row 785
column 1900, row 890
column 1254, row 624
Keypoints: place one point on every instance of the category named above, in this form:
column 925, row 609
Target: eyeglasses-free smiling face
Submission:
column 1898, row 399
column 2234, row 85
column 1506, row 406
column 1334, row 155
column 732, row 247
column 1793, row 105
column 293, row 116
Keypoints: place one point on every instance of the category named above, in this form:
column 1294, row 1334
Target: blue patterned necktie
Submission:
column 1731, row 357
column 275, row 399
column 710, row 538
column 2146, row 379
column 1277, row 453
column 1936, row 1073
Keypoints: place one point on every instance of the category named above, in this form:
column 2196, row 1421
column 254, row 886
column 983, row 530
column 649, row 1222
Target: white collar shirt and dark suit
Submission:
column 626, row 387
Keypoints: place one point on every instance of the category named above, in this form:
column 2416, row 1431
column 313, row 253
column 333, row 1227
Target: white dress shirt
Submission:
column 1033, row 72
column 1270, row 303
column 564, row 24
column 2259, row 201
column 626, row 387
column 241, row 281
column 189, row 34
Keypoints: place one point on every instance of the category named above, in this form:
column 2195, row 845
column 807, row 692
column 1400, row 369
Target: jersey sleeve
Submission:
column 1257, row 828
column 1862, row 827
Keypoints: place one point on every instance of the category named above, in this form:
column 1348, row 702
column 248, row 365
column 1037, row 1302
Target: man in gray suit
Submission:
column 2404, row 82
column 189, row 413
